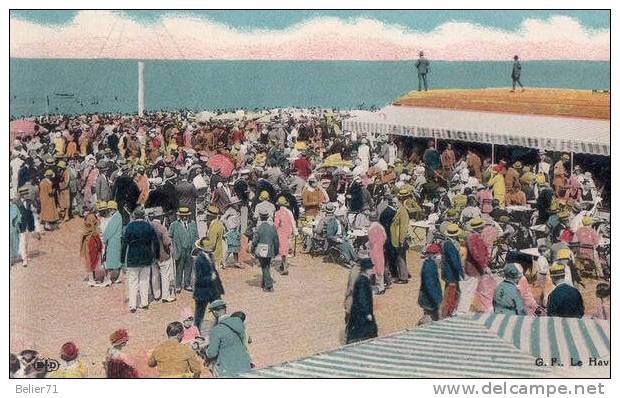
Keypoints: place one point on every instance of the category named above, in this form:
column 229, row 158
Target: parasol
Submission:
column 221, row 162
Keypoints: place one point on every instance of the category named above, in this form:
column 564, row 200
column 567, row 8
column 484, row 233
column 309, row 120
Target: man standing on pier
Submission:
column 516, row 74
column 423, row 67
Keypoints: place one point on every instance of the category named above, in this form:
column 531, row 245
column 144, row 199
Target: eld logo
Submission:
column 46, row 364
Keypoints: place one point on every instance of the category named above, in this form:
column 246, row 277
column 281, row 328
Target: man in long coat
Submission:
column 361, row 324
column 430, row 296
column 49, row 211
column 285, row 225
column 399, row 231
column 112, row 239
column 265, row 246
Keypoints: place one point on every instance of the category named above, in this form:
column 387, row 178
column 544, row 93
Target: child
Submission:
column 71, row 368
column 191, row 331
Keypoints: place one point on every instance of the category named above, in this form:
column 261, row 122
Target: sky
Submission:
column 311, row 35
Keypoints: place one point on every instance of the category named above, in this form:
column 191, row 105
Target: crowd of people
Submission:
column 168, row 201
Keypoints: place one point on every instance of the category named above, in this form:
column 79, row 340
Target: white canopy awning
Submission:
column 549, row 133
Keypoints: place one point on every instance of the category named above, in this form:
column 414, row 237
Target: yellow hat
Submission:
column 564, row 214
column 101, row 205
column 476, row 223
column 565, row 156
column 264, row 195
column 112, row 205
column 62, row 164
column 49, row 173
column 563, row 254
column 213, row 210
column 557, row 269
column 404, row 192
column 540, row 178
column 453, row 230
column 183, row 211
column 586, row 220
column 517, row 165
column 282, row 201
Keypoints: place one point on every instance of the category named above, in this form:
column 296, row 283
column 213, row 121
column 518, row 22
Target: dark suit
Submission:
column 423, row 67
column 565, row 301
column 516, row 75
column 359, row 326
column 206, row 289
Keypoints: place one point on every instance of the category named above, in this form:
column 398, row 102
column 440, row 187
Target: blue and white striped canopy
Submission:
column 456, row 347
column 551, row 337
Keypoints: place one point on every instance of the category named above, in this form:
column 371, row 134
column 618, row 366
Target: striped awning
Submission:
column 456, row 347
column 531, row 131
column 551, row 337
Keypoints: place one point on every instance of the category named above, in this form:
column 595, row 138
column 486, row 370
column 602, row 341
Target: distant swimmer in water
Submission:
column 516, row 74
column 423, row 67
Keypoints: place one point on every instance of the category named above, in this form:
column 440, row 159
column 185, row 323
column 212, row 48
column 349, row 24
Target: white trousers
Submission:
column 166, row 270
column 468, row 288
column 24, row 240
column 138, row 284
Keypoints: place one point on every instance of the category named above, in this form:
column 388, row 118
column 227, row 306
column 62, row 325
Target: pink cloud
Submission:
column 102, row 34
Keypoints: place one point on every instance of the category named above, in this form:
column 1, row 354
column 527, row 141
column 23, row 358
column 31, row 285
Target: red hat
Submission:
column 68, row 351
column 433, row 248
column 119, row 337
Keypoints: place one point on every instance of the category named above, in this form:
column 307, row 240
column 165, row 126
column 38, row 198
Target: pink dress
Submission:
column 284, row 221
column 376, row 240
column 526, row 295
column 88, row 188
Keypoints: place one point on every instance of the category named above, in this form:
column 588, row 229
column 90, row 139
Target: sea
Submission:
column 68, row 86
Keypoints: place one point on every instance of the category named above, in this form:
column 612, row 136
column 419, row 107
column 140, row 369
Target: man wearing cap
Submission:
column 423, row 66
column 140, row 248
column 361, row 323
column 507, row 299
column 103, row 184
column 173, row 359
column 227, row 347
column 430, row 296
column 264, row 205
column 183, row 232
column 112, row 240
column 49, row 211
column 64, row 196
column 265, row 245
column 564, row 300
column 452, row 270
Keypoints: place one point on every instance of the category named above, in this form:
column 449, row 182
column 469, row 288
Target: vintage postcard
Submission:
column 309, row 194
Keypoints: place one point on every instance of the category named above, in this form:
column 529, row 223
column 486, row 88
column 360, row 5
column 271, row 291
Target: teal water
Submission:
column 83, row 86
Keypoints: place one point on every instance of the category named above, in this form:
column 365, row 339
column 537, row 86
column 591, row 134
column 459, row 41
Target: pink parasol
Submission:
column 21, row 127
column 221, row 162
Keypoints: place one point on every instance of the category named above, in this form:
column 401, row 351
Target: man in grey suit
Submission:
column 423, row 67
column 516, row 74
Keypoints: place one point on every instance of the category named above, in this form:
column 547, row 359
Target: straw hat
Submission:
column 112, row 205
column 563, row 254
column 517, row 165
column 586, row 221
column 213, row 210
column 564, row 215
column 453, row 230
column 183, row 211
column 264, row 195
column 62, row 164
column 557, row 270
column 330, row 208
column 49, row 173
column 476, row 223
column 282, row 201
column 202, row 244
column 101, row 205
